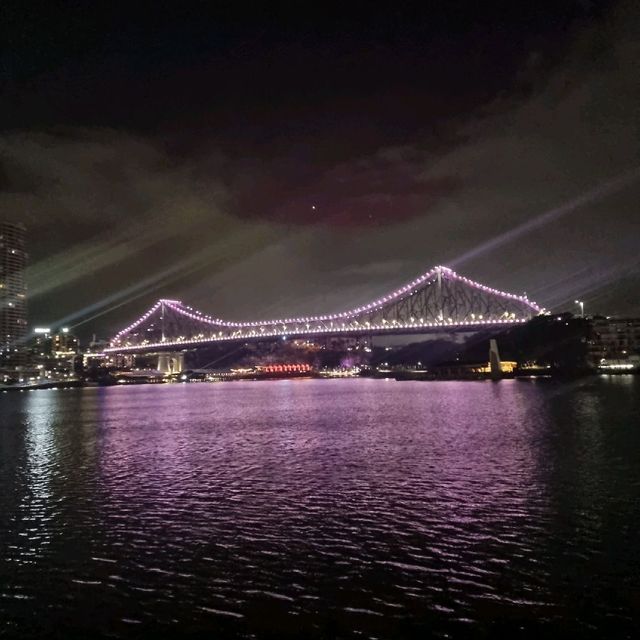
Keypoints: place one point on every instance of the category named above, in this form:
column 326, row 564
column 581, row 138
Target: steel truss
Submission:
column 439, row 299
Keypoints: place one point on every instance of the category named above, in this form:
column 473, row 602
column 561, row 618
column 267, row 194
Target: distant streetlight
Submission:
column 581, row 305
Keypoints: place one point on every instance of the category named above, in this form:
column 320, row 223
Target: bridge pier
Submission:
column 171, row 362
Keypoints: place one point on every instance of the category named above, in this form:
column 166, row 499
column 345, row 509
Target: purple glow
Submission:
column 271, row 327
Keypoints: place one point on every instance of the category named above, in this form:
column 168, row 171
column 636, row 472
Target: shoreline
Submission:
column 396, row 377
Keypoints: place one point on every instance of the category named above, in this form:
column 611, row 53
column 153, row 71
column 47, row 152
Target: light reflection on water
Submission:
column 350, row 508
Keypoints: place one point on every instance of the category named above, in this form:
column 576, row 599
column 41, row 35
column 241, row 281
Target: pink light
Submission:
column 178, row 307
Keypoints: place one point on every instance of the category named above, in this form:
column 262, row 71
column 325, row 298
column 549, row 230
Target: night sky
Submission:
column 258, row 163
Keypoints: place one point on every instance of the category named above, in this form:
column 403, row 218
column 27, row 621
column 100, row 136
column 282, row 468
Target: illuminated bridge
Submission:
column 440, row 299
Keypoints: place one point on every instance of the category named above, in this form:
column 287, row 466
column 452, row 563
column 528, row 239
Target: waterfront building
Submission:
column 52, row 354
column 614, row 342
column 13, row 297
column 64, row 343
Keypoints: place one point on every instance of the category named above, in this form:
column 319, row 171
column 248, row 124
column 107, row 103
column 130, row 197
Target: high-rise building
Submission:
column 13, row 295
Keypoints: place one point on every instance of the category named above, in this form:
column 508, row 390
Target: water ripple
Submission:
column 323, row 509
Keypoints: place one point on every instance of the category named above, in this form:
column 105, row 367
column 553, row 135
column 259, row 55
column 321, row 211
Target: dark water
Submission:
column 322, row 509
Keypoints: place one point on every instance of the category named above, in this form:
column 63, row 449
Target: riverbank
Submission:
column 53, row 384
column 398, row 376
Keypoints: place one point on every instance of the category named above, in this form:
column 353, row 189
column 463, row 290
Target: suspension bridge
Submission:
column 438, row 300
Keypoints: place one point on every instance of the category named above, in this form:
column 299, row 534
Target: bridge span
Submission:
column 438, row 300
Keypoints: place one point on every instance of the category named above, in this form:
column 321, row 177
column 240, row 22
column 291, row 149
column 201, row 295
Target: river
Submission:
column 322, row 509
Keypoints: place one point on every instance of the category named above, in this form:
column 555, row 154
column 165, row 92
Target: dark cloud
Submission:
column 108, row 211
column 383, row 189
column 219, row 210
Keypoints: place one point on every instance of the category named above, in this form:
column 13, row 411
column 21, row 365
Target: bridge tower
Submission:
column 440, row 298
column 171, row 362
column 495, row 365
column 162, row 311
